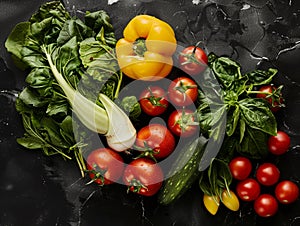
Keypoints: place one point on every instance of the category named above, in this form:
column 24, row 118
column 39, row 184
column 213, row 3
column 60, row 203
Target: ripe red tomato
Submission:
column 156, row 140
column 287, row 192
column 183, row 91
column 153, row 101
column 279, row 144
column 248, row 189
column 182, row 123
column 266, row 205
column 143, row 176
column 105, row 166
column 192, row 60
column 240, row 167
column 267, row 174
column 271, row 94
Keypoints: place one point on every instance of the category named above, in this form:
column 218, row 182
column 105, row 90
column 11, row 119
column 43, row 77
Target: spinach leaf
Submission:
column 260, row 77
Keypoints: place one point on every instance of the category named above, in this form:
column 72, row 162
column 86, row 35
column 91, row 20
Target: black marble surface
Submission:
column 38, row 190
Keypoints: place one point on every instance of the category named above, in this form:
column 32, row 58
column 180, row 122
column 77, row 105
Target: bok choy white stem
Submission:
column 112, row 122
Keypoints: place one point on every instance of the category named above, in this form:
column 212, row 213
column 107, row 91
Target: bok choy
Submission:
column 72, row 69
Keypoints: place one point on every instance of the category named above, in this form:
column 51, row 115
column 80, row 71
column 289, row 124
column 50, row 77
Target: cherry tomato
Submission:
column 182, row 123
column 279, row 144
column 266, row 205
column 153, row 101
column 240, row 167
column 105, row 166
column 192, row 60
column 155, row 140
column 287, row 192
column 267, row 174
column 248, row 189
column 143, row 176
column 183, row 91
column 271, row 94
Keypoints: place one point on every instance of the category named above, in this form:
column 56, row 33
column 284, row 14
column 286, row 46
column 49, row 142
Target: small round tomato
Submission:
column 183, row 91
column 287, row 192
column 155, row 140
column 105, row 166
column 267, row 174
column 182, row 123
column 240, row 167
column 153, row 101
column 266, row 205
column 143, row 176
column 192, row 60
column 279, row 144
column 248, row 189
column 271, row 94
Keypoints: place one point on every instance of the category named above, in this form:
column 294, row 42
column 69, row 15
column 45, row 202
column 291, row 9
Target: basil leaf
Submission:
column 254, row 144
column 226, row 70
column 260, row 77
column 233, row 117
column 258, row 115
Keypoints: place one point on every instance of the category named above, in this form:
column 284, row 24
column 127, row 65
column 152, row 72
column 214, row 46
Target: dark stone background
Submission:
column 37, row 190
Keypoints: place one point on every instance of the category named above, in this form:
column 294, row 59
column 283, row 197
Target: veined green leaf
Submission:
column 258, row 115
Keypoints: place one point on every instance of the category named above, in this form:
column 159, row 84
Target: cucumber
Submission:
column 185, row 170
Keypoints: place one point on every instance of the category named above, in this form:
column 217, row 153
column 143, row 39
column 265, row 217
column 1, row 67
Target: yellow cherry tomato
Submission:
column 211, row 203
column 230, row 200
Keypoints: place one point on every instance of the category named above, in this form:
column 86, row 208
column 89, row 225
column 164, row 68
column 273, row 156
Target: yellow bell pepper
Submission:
column 145, row 52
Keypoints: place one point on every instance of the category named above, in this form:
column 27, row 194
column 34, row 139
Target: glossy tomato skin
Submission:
column 267, row 174
column 248, row 189
column 279, row 144
column 240, row 167
column 192, row 60
column 266, row 205
column 153, row 101
column 287, row 192
column 105, row 162
column 183, row 91
column 270, row 89
column 158, row 138
column 143, row 176
column 182, row 123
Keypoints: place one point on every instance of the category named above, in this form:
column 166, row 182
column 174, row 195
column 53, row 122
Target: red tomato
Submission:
column 266, row 205
column 279, row 144
column 248, row 189
column 192, row 60
column 182, row 123
column 272, row 95
column 105, row 166
column 183, row 91
column 287, row 192
column 143, row 176
column 240, row 168
column 156, row 140
column 267, row 174
column 153, row 101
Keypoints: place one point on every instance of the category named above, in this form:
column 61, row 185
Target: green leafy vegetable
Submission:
column 247, row 116
column 70, row 62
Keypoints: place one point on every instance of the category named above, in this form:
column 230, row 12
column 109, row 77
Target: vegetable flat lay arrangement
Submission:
column 156, row 117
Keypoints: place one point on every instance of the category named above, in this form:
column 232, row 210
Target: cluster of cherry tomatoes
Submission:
column 266, row 175
column 155, row 141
